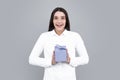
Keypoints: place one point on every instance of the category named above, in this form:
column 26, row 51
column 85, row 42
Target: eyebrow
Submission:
column 61, row 16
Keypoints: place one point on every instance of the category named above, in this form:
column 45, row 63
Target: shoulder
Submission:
column 72, row 33
column 44, row 35
column 76, row 36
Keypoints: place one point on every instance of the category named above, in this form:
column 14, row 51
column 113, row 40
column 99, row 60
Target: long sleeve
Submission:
column 34, row 58
column 82, row 52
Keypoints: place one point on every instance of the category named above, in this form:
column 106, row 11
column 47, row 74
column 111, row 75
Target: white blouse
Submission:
column 60, row 71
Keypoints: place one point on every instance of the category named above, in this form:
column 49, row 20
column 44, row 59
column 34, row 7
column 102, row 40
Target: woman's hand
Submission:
column 68, row 57
column 53, row 58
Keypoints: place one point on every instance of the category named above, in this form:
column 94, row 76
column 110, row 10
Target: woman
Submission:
column 59, row 33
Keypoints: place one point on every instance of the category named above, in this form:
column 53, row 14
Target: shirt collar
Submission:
column 64, row 32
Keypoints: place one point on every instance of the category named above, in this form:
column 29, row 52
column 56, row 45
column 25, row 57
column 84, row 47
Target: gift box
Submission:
column 60, row 53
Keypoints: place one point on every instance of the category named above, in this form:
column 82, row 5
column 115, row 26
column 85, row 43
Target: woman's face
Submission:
column 59, row 21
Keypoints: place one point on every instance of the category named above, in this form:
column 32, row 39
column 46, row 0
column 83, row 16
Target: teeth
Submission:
column 59, row 25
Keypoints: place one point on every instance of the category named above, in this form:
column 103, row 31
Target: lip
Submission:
column 59, row 25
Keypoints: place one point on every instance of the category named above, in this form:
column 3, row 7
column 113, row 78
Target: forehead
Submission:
column 59, row 13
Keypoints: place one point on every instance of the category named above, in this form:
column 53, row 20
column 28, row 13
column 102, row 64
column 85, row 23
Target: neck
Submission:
column 59, row 32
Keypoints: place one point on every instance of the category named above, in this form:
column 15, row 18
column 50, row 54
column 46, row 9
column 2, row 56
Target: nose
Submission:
column 59, row 20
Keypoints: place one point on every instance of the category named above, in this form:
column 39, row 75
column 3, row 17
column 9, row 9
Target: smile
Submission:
column 59, row 25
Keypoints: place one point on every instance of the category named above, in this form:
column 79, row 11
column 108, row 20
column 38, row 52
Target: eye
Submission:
column 63, row 17
column 55, row 17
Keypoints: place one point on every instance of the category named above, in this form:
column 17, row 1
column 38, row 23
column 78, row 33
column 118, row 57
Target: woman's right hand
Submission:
column 53, row 58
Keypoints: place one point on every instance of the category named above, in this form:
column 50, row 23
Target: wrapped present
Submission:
column 60, row 53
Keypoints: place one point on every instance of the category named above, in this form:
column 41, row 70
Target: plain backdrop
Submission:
column 97, row 21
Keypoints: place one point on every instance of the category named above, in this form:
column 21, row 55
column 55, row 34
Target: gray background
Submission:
column 22, row 21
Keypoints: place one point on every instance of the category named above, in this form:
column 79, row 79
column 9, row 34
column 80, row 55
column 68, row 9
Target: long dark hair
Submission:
column 51, row 25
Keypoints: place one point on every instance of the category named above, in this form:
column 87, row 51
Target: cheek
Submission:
column 65, row 22
column 54, row 21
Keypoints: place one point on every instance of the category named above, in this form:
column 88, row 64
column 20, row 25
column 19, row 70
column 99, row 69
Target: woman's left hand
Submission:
column 68, row 57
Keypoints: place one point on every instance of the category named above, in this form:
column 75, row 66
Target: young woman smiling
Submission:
column 59, row 33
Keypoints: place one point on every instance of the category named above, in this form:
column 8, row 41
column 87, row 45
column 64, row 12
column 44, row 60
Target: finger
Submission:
column 53, row 53
column 67, row 54
column 66, row 51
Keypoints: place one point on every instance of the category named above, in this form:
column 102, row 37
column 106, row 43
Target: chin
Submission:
column 59, row 29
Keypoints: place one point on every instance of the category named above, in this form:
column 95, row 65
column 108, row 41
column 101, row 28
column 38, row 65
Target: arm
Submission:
column 82, row 52
column 34, row 58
